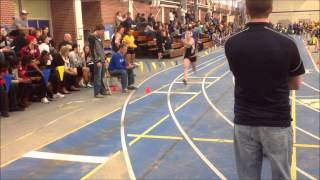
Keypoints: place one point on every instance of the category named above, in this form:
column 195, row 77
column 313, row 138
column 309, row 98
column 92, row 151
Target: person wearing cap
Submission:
column 21, row 22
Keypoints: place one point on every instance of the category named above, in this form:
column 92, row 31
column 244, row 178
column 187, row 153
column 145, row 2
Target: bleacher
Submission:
column 147, row 46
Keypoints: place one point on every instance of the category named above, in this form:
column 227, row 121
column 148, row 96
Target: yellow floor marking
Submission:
column 294, row 149
column 156, row 137
column 164, row 64
column 314, row 103
column 141, row 66
column 154, row 66
column 98, row 167
column 172, row 63
column 161, row 120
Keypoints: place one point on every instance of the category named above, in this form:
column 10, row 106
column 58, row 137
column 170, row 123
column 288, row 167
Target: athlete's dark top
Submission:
column 262, row 61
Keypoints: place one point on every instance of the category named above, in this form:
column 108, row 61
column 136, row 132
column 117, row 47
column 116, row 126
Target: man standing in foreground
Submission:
column 266, row 66
column 98, row 56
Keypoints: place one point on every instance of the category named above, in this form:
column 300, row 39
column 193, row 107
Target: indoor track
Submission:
column 175, row 132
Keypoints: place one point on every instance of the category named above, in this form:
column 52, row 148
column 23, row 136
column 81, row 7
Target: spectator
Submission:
column 119, row 67
column 37, row 33
column 98, row 57
column 70, row 72
column 171, row 17
column 45, row 33
column 30, row 71
column 67, row 41
column 4, row 41
column 117, row 39
column 4, row 104
column 86, row 55
column 21, row 88
column 79, row 63
column 127, row 23
column 19, row 41
column 160, row 38
column 151, row 20
column 119, row 19
column 21, row 23
column 31, row 49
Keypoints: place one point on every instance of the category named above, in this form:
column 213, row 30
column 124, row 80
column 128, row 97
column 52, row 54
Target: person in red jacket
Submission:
column 31, row 49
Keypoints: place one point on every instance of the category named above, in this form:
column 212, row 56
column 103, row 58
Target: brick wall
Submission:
column 91, row 15
column 63, row 19
column 7, row 11
column 145, row 8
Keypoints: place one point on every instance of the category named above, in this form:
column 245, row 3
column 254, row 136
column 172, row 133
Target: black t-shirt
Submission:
column 262, row 61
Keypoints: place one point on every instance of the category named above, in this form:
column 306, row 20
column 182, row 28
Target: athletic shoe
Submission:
column 184, row 82
column 58, row 95
column 89, row 85
column 132, row 87
column 99, row 96
column 45, row 100
column 125, row 91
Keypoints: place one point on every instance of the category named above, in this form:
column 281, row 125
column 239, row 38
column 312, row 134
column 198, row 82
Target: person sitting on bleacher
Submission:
column 119, row 67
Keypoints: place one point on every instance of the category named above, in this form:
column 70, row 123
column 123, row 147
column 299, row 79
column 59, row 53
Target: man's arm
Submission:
column 296, row 69
column 295, row 82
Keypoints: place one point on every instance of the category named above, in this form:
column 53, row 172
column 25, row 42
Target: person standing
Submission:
column 265, row 70
column 98, row 57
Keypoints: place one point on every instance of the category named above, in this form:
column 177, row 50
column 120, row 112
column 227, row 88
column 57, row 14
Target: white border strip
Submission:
column 65, row 157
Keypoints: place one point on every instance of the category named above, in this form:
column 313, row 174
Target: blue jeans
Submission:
column 251, row 143
column 99, row 73
column 123, row 75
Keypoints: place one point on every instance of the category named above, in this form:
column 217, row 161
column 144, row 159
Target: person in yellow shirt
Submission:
column 128, row 40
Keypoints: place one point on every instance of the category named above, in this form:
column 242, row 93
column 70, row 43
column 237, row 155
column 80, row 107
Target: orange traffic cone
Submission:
column 148, row 90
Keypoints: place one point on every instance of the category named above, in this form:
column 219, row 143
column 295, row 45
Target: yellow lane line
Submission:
column 98, row 167
column 294, row 149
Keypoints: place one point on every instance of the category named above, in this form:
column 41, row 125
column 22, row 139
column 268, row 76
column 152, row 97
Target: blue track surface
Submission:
column 165, row 154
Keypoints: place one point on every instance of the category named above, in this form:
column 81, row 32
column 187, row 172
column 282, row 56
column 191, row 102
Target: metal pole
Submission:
column 196, row 9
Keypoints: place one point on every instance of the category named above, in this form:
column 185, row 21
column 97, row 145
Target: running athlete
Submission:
column 189, row 55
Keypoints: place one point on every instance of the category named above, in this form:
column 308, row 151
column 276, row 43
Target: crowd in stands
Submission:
column 32, row 69
column 309, row 30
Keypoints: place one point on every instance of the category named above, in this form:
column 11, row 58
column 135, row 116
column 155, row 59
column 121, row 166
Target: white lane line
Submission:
column 201, row 77
column 311, row 87
column 65, row 157
column 186, row 136
column 190, row 82
column 210, row 102
column 122, row 119
column 306, row 174
column 179, row 93
column 308, row 133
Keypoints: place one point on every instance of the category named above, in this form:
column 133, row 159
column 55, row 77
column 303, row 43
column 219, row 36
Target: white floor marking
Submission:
column 65, row 157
